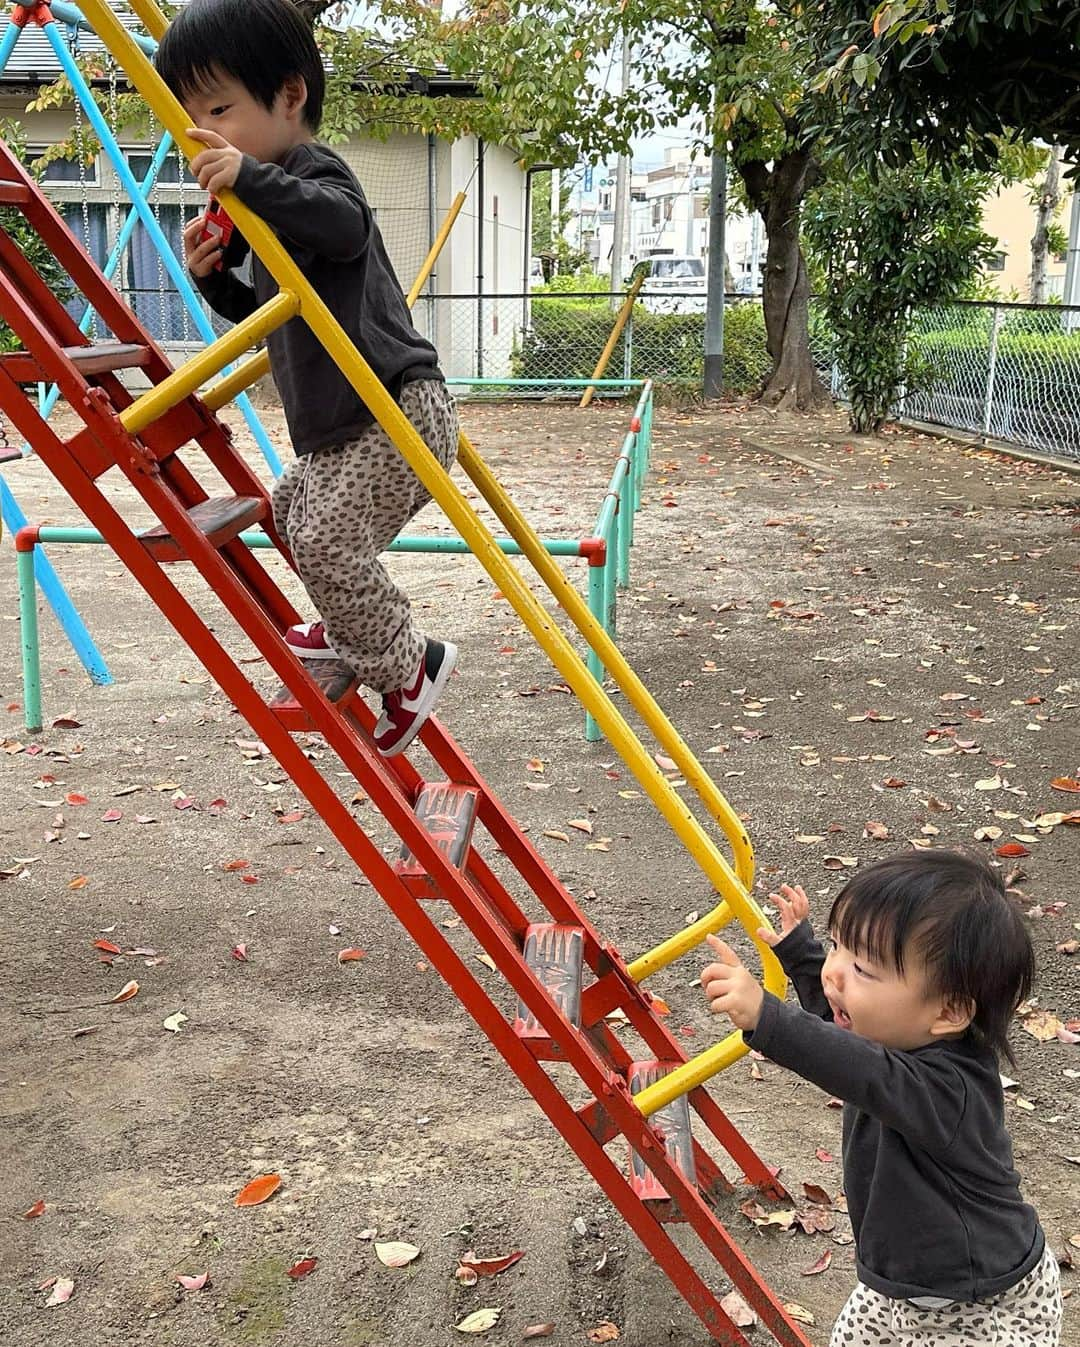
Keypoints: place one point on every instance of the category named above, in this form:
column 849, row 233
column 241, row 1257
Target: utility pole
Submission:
column 1072, row 266
column 714, row 303
column 622, row 195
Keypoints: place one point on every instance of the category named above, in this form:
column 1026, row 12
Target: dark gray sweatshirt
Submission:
column 933, row 1196
column 315, row 205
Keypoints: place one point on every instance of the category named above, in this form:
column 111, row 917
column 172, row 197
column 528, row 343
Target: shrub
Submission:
column 565, row 339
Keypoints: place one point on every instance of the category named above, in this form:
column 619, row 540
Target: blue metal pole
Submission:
column 177, row 271
column 7, row 44
column 66, row 612
column 70, row 14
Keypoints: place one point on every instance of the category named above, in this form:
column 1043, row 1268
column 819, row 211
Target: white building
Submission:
column 669, row 216
column 410, row 180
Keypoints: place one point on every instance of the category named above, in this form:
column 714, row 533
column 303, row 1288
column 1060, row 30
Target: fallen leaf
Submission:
column 294, row 817
column 351, row 955
column 815, row 1193
column 36, row 1210
column 112, row 816
column 79, row 882
column 538, row 1331
column 990, row 833
column 819, row 1266
column 396, row 1253
column 194, row 1283
column 236, row 865
column 61, row 1291
column 239, row 952
column 488, row 962
column 1041, row 1025
column 1067, row 783
column 174, row 1022
column 555, row 835
column 581, row 824
column 605, row 1331
column 875, row 830
column 491, row 1267
column 302, row 1268
column 107, row 947
column 840, row 862
column 479, row 1321
column 737, row 1310
column 798, row 1312
column 258, row 1190
column 76, row 799
column 823, row 1155
column 126, row 992
column 1011, row 849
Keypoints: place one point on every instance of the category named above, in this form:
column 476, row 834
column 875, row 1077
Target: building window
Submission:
column 657, row 213
column 996, row 262
column 66, row 170
column 168, row 174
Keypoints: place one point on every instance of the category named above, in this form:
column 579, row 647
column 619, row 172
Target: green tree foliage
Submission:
column 906, row 237
column 13, row 223
column 952, row 75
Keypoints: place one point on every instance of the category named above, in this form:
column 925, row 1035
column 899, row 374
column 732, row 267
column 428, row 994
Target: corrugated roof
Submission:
column 33, row 61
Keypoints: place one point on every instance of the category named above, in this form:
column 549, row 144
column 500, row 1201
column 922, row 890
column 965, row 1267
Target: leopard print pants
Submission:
column 1026, row 1315
column 338, row 509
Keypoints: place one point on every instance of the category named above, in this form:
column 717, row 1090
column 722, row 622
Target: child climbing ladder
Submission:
column 564, row 977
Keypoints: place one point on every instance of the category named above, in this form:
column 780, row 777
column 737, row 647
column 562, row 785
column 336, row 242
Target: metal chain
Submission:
column 80, row 148
column 156, row 132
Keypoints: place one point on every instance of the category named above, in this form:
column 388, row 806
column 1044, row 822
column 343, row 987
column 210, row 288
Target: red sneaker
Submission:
column 308, row 641
column 405, row 710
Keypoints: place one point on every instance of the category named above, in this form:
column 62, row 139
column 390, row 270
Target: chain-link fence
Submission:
column 561, row 336
column 1005, row 371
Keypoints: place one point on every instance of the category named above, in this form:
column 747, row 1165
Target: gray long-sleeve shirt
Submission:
column 933, row 1196
column 315, row 205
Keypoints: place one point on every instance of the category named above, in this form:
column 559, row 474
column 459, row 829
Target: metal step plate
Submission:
column 334, row 677
column 220, row 519
column 554, row 953
column 448, row 811
column 672, row 1122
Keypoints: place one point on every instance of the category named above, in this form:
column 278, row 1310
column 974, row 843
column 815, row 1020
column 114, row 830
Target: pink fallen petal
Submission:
column 194, row 1283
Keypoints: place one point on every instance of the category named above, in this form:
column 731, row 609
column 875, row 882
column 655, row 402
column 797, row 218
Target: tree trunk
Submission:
column 777, row 193
column 1046, row 206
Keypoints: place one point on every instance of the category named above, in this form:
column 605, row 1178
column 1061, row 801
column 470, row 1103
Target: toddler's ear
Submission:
column 953, row 1017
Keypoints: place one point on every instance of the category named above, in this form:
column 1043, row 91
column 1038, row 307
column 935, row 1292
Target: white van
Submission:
column 682, row 277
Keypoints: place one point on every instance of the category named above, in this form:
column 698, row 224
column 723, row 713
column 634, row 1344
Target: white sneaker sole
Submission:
column 305, row 654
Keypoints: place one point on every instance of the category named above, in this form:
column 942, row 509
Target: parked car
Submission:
column 672, row 284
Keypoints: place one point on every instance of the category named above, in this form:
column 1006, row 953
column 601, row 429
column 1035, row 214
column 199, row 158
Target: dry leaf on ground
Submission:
column 258, row 1190
column 396, row 1253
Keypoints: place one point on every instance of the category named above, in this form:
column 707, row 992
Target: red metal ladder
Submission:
column 565, row 978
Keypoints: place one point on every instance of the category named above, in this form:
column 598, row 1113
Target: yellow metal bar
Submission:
column 621, row 319
column 243, row 376
column 612, row 657
column 457, row 509
column 692, row 1073
column 150, row 17
column 182, row 382
column 436, row 248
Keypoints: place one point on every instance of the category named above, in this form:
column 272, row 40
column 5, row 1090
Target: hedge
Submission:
column 565, row 339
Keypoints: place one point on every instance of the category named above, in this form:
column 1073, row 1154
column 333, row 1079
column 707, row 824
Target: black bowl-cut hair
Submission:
column 260, row 43
column 947, row 910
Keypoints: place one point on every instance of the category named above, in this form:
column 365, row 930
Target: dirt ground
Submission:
column 888, row 636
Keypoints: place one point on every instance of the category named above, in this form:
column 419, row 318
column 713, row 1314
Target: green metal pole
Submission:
column 624, row 517
column 31, row 650
column 611, row 563
column 598, row 608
